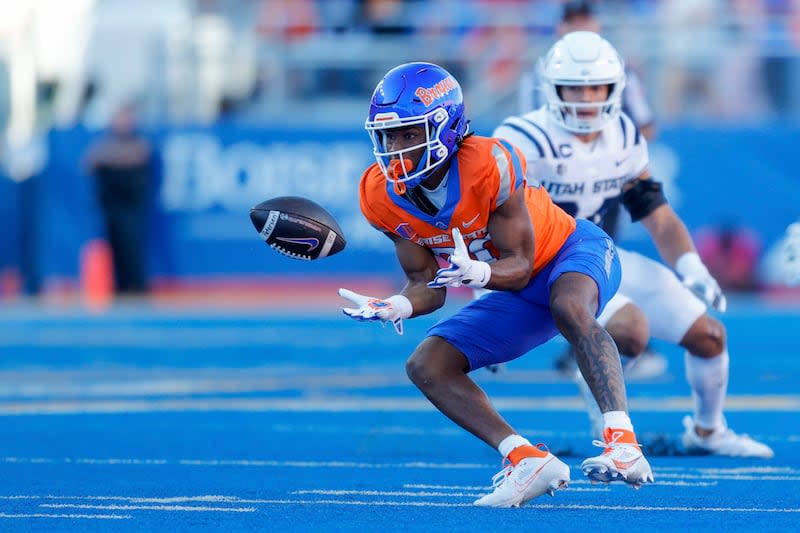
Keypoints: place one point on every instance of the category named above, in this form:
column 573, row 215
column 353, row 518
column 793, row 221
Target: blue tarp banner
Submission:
column 206, row 184
column 208, row 179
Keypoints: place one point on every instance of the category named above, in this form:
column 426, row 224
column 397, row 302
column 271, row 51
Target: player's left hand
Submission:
column 373, row 309
column 696, row 277
column 790, row 254
column 462, row 270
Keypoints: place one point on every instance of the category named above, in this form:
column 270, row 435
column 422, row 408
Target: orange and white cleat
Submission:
column 622, row 460
column 529, row 472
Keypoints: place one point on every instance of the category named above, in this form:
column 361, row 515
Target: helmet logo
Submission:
column 439, row 90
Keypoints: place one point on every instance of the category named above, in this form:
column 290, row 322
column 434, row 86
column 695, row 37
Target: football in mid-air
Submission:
column 298, row 228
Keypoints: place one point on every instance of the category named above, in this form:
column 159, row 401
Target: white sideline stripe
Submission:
column 344, row 492
column 751, row 470
column 70, row 516
column 132, row 499
column 193, row 336
column 671, row 509
column 571, row 483
column 537, row 506
column 730, row 477
column 109, row 385
column 379, row 503
column 673, row 474
column 733, row 470
column 340, row 404
column 242, row 501
column 243, row 462
column 114, row 507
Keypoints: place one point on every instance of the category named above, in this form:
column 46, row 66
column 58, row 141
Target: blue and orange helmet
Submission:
column 416, row 94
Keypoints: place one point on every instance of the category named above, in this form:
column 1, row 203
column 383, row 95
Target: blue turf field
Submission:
column 146, row 419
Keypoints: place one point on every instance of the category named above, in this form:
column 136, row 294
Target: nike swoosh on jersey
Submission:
column 620, row 161
column 470, row 222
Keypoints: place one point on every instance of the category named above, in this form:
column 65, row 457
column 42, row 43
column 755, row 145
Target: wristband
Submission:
column 690, row 263
column 484, row 274
column 401, row 304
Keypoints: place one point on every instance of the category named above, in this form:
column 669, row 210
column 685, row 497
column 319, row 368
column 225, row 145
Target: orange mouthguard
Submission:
column 399, row 167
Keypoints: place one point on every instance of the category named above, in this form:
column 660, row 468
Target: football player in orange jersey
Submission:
column 549, row 273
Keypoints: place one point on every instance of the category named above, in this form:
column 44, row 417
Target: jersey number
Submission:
column 476, row 247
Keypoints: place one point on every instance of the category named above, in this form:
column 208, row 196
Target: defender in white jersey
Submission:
column 590, row 156
column 579, row 15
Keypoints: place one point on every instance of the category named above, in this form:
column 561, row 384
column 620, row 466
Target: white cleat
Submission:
column 622, row 460
column 531, row 477
column 723, row 441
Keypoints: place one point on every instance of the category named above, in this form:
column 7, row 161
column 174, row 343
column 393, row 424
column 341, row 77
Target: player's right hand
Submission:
column 369, row 308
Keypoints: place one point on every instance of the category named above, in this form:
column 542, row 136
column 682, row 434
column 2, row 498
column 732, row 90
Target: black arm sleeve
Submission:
column 643, row 198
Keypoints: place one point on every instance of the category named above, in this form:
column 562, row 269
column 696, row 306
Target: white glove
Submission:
column 462, row 269
column 790, row 253
column 393, row 309
column 696, row 278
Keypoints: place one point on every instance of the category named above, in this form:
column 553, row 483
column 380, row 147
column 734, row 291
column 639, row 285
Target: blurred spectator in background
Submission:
column 736, row 77
column 386, row 17
column 777, row 61
column 731, row 253
column 121, row 163
column 691, row 32
column 493, row 49
column 287, row 20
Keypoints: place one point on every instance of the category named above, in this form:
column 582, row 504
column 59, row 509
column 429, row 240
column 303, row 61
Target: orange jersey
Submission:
column 482, row 176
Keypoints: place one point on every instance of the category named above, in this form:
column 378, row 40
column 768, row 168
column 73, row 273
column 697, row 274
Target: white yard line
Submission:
column 360, row 404
column 67, row 516
column 667, row 476
column 179, row 508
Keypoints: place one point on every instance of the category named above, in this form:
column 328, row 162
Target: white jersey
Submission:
column 584, row 179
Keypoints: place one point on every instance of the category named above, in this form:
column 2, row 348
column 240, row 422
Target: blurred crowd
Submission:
column 256, row 60
column 721, row 59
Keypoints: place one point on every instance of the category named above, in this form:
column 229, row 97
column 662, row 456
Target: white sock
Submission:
column 709, row 381
column 511, row 442
column 617, row 420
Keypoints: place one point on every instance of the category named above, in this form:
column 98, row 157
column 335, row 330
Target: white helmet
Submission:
column 583, row 58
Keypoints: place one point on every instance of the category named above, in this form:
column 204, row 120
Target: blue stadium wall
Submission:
column 208, row 179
